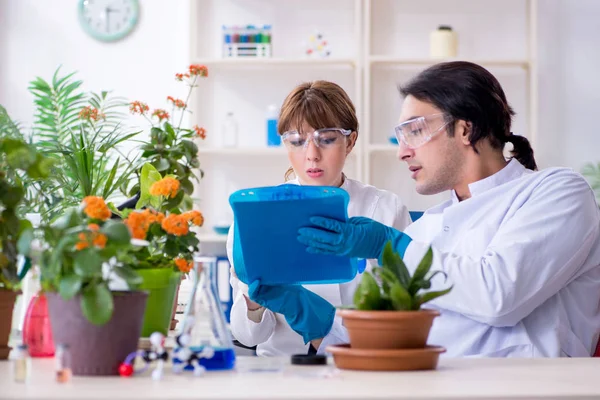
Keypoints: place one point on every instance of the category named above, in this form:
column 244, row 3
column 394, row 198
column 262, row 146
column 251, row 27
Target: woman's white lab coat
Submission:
column 523, row 254
column 272, row 334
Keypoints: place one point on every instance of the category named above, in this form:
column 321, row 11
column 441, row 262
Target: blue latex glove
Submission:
column 307, row 313
column 360, row 237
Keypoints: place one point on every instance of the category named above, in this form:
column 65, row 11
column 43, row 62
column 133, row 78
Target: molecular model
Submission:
column 317, row 46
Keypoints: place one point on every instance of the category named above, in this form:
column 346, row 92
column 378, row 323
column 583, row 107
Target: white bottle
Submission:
column 229, row 135
column 443, row 43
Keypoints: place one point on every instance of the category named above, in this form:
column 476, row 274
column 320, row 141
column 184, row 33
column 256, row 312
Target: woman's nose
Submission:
column 313, row 153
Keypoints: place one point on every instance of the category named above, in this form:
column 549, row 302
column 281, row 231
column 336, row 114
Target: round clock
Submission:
column 108, row 20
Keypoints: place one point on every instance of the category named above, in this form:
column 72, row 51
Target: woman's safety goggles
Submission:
column 324, row 139
column 418, row 131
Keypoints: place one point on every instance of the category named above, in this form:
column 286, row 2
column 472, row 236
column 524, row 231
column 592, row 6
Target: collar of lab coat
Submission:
column 513, row 170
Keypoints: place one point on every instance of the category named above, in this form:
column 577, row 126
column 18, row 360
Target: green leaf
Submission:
column 368, row 294
column 25, row 238
column 129, row 275
column 148, row 176
column 69, row 286
column 162, row 165
column 97, row 304
column 88, row 263
column 174, row 202
column 116, row 232
column 393, row 262
column 421, row 272
column 425, row 297
column 187, row 186
column 400, row 297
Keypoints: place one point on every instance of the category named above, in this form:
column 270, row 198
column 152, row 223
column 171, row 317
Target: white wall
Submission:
column 37, row 36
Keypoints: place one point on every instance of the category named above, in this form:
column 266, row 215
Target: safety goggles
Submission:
column 324, row 139
column 418, row 131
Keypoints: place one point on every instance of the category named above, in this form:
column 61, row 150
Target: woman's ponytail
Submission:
column 522, row 151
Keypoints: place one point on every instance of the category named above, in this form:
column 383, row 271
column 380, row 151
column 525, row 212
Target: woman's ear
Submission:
column 351, row 142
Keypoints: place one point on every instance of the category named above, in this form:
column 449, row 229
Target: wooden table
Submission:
column 264, row 378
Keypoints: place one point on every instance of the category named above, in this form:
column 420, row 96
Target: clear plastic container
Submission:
column 229, row 135
column 273, row 138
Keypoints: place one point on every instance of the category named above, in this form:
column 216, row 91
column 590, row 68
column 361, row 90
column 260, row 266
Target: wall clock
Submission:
column 108, row 20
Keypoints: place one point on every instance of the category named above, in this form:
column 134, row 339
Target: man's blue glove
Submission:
column 360, row 237
column 307, row 313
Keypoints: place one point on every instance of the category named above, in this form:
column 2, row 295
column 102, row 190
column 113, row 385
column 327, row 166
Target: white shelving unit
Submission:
column 376, row 45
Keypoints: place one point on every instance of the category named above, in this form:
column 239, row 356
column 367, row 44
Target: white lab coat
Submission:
column 523, row 254
column 272, row 335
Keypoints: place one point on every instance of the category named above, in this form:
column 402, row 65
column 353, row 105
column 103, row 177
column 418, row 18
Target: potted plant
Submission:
column 84, row 250
column 387, row 327
column 18, row 161
column 169, row 241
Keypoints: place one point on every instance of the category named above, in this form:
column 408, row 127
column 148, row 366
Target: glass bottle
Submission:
column 63, row 363
column 37, row 331
column 20, row 363
column 207, row 332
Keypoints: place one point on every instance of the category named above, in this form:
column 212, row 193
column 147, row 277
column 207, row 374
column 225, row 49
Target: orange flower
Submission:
column 160, row 114
column 167, row 187
column 90, row 113
column 95, row 207
column 87, row 239
column 201, row 132
column 183, row 265
column 175, row 224
column 195, row 217
column 180, row 77
column 198, row 70
column 176, row 102
column 139, row 222
column 137, row 107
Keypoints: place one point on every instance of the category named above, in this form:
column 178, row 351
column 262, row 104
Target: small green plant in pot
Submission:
column 170, row 244
column 387, row 310
column 19, row 161
column 84, row 249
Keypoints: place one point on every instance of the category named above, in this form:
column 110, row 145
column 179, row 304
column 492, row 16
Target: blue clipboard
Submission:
column 266, row 223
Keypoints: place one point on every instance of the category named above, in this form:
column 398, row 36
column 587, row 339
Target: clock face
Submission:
column 108, row 20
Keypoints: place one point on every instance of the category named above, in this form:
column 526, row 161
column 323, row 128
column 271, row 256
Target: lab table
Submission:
column 276, row 378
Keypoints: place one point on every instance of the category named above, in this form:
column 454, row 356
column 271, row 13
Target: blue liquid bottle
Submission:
column 273, row 138
column 204, row 342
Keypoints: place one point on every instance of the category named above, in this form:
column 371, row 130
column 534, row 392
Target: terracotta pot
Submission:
column 98, row 350
column 388, row 329
column 7, row 304
column 346, row 357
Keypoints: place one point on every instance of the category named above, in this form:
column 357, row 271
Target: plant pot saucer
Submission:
column 4, row 352
column 346, row 357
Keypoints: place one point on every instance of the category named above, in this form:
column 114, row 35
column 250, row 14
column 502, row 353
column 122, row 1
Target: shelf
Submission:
column 212, row 238
column 259, row 151
column 374, row 60
column 333, row 63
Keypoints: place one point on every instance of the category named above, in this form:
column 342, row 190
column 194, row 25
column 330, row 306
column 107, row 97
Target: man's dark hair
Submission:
column 469, row 92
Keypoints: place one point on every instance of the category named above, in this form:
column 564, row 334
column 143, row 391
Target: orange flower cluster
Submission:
column 176, row 224
column 183, row 265
column 194, row 217
column 180, row 77
column 198, row 70
column 137, row 107
column 91, row 238
column 167, row 187
column 90, row 113
column 96, row 208
column 200, row 132
column 160, row 114
column 139, row 222
column 176, row 102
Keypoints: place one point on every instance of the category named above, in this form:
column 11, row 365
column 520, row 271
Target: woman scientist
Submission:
column 520, row 247
column 319, row 128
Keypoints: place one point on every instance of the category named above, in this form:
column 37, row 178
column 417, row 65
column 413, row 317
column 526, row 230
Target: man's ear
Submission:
column 351, row 142
column 463, row 131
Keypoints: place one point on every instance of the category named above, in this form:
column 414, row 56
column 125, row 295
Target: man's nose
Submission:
column 404, row 152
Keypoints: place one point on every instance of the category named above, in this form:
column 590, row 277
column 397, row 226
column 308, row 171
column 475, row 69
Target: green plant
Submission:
column 592, row 173
column 171, row 149
column 18, row 161
column 166, row 230
column 396, row 289
column 83, row 249
column 83, row 133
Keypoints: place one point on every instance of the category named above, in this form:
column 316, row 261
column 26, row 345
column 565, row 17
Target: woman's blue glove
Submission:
column 307, row 313
column 360, row 237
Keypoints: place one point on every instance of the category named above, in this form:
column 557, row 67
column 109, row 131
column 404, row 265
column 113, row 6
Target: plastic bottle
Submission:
column 443, row 43
column 229, row 136
column 20, row 364
column 273, row 138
